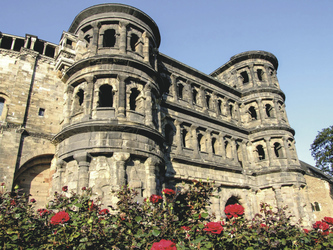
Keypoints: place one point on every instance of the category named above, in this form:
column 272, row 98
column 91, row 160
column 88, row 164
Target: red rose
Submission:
column 65, row 188
column 91, row 205
column 213, row 227
column 186, row 228
column 84, row 188
column 164, row 245
column 328, row 220
column 168, row 191
column 306, row 230
column 154, row 198
column 33, row 200
column 2, row 184
column 104, row 211
column 60, row 217
column 321, row 225
column 12, row 203
column 43, row 212
column 234, row 210
column 262, row 225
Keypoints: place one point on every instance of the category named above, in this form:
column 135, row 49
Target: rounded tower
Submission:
column 111, row 128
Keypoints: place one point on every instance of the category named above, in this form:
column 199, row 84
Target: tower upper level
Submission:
column 249, row 70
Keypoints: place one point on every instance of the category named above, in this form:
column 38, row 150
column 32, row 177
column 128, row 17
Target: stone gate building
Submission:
column 105, row 108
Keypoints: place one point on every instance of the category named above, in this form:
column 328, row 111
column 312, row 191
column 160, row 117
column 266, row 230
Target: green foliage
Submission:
column 181, row 218
column 322, row 150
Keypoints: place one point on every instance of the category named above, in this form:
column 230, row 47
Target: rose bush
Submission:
column 181, row 221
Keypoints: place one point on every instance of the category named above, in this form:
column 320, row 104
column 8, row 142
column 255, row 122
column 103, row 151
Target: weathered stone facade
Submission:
column 105, row 108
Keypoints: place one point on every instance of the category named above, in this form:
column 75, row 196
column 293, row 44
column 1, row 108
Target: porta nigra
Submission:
column 104, row 108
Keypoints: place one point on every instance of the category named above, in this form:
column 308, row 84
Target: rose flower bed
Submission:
column 172, row 220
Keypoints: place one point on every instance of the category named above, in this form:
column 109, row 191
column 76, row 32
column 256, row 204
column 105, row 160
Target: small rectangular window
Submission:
column 41, row 112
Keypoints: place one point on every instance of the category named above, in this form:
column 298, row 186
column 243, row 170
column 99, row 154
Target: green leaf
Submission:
column 156, row 232
column 284, row 242
column 204, row 215
column 138, row 219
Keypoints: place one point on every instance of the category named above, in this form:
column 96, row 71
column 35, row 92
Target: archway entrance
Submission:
column 35, row 178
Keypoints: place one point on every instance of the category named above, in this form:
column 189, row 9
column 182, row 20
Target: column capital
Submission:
column 121, row 156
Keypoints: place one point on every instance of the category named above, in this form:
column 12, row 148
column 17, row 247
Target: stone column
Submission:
column 26, row 42
column 269, row 149
column 13, row 43
column 44, row 49
column 278, row 196
column 203, row 99
column 33, row 41
column 88, row 98
column 58, row 175
column 267, row 71
column 173, row 86
column 148, row 105
column 251, row 76
column 209, row 146
column 261, row 110
column 68, row 103
column 193, row 131
column 178, row 137
column 145, row 37
column 94, row 43
column 189, row 95
column 83, row 165
column 286, row 148
column 276, row 109
column 121, row 159
column 121, row 96
column 244, row 155
column 222, row 143
column 233, row 150
column 123, row 31
column 215, row 206
column 152, row 169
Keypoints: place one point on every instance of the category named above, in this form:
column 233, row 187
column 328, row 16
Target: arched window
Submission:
column 214, row 145
column 78, row 101
column 278, row 150
column 201, row 143
column 208, row 101
column 168, row 134
column 245, row 77
column 87, row 38
column 134, row 94
column 219, row 105
column 261, row 152
column 2, row 105
column 133, row 41
column 260, row 73
column 105, row 96
column 232, row 200
column 109, row 38
column 195, row 96
column 184, row 137
column 253, row 113
column 231, row 109
column 269, row 110
column 180, row 88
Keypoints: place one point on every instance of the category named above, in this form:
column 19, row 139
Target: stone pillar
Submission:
column 215, row 206
column 193, row 131
column 89, row 97
column 244, row 155
column 188, row 93
column 58, row 175
column 267, row 72
column 233, row 150
column 94, row 43
column 276, row 109
column 33, row 41
column 251, row 76
column 26, row 42
column 173, row 86
column 145, row 37
column 269, row 149
column 83, row 165
column 278, row 196
column 121, row 96
column 13, row 43
column 203, row 99
column 286, row 148
column 152, row 169
column 209, row 146
column 68, row 104
column 123, row 31
column 44, row 48
column 261, row 110
column 148, row 105
column 178, row 137
column 120, row 164
column 222, row 143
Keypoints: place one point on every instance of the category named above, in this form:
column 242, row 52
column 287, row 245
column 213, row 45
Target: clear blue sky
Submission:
column 205, row 34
